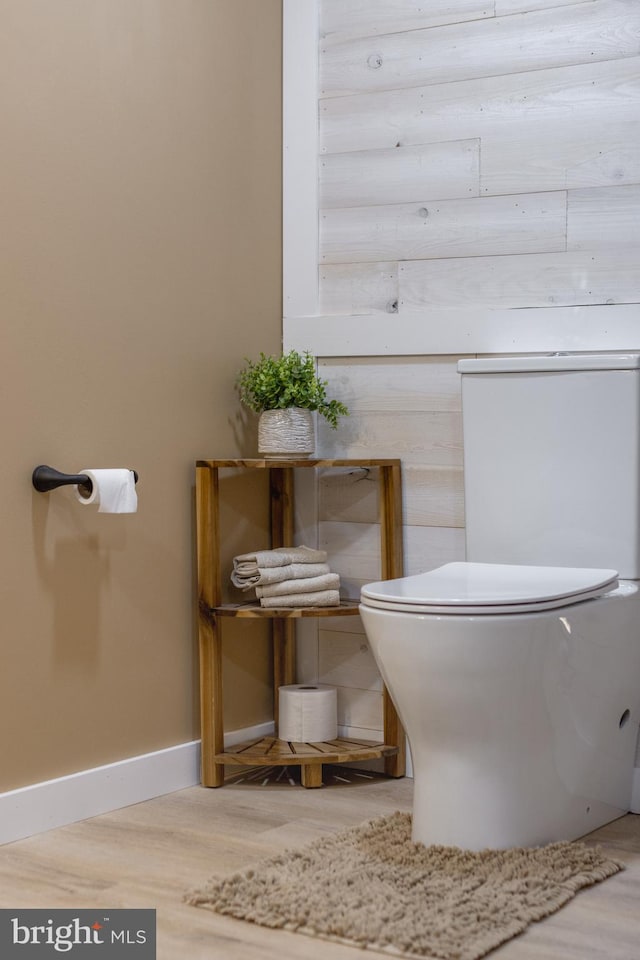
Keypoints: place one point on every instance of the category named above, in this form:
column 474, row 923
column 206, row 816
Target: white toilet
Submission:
column 517, row 673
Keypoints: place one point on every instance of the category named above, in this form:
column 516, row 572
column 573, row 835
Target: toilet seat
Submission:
column 489, row 588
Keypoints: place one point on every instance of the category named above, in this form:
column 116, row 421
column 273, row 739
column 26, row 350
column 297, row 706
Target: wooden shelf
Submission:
column 271, row 752
column 213, row 613
column 269, row 464
column 347, row 608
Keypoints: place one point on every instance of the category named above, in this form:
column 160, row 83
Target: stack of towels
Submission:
column 288, row 577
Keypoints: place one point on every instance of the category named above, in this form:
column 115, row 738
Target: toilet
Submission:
column 516, row 673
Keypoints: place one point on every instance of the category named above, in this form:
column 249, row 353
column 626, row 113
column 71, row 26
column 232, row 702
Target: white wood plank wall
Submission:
column 403, row 407
column 473, row 155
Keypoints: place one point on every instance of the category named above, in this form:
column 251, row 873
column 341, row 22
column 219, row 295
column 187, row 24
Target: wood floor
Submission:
column 149, row 854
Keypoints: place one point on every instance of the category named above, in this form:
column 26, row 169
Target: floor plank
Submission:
column 150, row 854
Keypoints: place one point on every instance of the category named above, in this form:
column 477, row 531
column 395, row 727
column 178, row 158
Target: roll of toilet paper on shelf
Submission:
column 308, row 713
column 113, row 490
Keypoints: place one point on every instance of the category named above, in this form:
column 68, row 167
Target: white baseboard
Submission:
column 55, row 803
column 88, row 793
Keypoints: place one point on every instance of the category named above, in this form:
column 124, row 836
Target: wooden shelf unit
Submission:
column 213, row 612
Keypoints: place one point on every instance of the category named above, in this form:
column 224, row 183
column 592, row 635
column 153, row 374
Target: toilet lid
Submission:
column 489, row 588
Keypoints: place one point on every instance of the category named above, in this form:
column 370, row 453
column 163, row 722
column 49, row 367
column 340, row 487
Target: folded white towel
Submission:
column 292, row 571
column 250, row 563
column 318, row 598
column 329, row 581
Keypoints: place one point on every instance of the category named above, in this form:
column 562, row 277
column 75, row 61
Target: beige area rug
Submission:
column 372, row 887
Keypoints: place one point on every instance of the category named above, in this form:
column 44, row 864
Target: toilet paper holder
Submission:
column 45, row 478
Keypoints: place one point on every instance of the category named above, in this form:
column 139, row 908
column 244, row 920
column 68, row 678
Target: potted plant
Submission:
column 285, row 391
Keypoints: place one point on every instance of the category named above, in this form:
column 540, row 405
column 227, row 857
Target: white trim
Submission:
column 88, row 793
column 454, row 330
column 300, row 157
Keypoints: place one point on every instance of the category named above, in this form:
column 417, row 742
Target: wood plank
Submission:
column 311, row 775
column 404, row 173
column 390, row 507
column 448, row 329
column 360, row 708
column 434, row 229
column 433, row 497
column 264, row 464
column 365, row 18
column 352, row 496
column 209, row 638
column 562, row 157
column 401, row 384
column 428, row 542
column 281, row 502
column 254, row 611
column 433, row 438
column 587, row 32
column 283, row 638
column 394, row 765
column 240, row 748
column 271, row 752
column 604, row 218
column 155, row 851
column 354, row 553
column 358, row 288
column 507, row 7
column 346, row 659
column 578, row 96
column 575, row 277
column 427, row 548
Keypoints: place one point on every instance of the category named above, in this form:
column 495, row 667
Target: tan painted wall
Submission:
column 139, row 263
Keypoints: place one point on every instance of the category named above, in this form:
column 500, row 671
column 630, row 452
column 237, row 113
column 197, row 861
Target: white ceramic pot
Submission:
column 286, row 434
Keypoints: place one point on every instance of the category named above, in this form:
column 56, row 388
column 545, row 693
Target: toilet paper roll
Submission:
column 307, row 713
column 113, row 490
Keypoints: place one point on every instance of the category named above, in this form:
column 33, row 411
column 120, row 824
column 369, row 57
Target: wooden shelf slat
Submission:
column 253, row 609
column 269, row 751
column 264, row 463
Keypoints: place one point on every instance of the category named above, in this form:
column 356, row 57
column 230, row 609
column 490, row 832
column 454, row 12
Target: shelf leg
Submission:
column 284, row 659
column 211, row 703
column 390, row 505
column 283, row 632
column 210, row 640
column 311, row 775
column 394, row 735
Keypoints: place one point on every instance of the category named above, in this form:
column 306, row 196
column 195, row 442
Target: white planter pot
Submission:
column 286, row 434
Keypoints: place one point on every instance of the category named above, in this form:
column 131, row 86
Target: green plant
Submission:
column 275, row 383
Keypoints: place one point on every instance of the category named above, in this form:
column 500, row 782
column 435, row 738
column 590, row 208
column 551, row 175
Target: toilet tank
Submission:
column 551, row 460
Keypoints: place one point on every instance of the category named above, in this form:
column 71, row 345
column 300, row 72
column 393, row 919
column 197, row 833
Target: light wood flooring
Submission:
column 150, row 854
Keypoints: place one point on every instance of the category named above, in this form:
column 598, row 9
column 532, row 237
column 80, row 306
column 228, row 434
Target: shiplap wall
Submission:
column 472, row 155
column 478, row 154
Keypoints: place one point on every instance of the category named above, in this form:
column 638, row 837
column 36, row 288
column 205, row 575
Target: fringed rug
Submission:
column 372, row 887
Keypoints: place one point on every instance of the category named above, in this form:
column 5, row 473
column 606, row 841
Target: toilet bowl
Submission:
column 516, row 674
column 516, row 687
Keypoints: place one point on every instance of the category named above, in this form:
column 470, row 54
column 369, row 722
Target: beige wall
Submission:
column 139, row 263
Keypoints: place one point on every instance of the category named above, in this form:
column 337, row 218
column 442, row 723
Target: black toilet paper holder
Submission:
column 45, row 478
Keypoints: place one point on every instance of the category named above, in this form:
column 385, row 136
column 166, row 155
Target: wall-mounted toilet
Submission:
column 516, row 674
